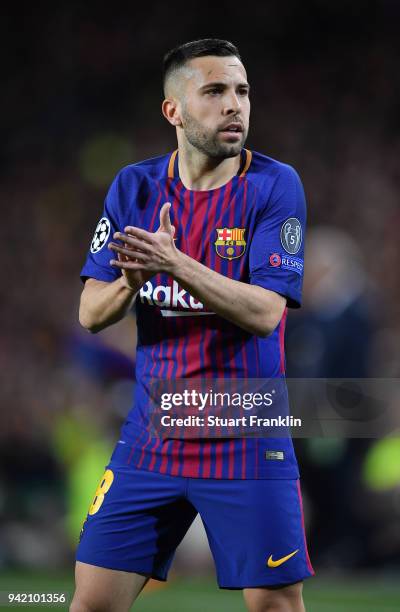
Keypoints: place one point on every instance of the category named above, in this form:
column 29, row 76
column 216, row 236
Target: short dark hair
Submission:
column 178, row 56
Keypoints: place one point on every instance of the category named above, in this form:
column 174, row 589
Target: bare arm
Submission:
column 103, row 304
column 252, row 308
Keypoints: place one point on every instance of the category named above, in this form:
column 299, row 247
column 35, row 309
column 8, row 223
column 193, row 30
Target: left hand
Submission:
column 147, row 251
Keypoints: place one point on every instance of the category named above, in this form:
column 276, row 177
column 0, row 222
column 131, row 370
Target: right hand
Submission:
column 135, row 279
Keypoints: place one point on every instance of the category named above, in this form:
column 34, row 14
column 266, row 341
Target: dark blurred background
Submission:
column 81, row 98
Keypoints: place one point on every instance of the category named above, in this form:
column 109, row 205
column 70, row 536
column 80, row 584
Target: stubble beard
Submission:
column 208, row 141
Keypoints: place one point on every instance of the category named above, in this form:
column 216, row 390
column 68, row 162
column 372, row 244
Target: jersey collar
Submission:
column 245, row 161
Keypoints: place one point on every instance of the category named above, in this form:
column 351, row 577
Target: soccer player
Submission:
column 207, row 242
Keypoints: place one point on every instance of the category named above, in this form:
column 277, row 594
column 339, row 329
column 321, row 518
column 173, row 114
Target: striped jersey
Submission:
column 251, row 230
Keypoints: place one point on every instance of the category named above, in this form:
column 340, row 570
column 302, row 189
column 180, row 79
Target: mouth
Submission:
column 233, row 128
column 233, row 132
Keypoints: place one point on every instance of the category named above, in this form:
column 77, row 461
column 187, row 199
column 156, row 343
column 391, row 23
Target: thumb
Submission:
column 165, row 221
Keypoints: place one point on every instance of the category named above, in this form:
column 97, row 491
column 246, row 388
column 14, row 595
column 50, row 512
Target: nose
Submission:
column 231, row 104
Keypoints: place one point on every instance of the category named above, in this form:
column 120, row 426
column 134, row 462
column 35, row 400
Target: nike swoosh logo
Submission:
column 279, row 562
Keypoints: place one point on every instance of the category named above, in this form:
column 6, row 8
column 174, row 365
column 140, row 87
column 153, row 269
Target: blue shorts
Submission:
column 255, row 528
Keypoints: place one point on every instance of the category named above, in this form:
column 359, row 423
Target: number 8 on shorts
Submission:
column 105, row 484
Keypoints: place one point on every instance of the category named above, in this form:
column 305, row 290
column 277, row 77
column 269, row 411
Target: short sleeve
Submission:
column 276, row 259
column 97, row 263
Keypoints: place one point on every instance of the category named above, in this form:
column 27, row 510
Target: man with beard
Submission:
column 208, row 244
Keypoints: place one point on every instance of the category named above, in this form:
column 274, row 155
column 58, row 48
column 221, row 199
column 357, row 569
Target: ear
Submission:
column 170, row 110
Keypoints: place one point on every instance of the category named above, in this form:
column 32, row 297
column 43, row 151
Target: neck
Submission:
column 199, row 172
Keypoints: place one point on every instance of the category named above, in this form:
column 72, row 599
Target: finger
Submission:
column 127, row 265
column 122, row 257
column 129, row 254
column 137, row 232
column 133, row 242
column 165, row 221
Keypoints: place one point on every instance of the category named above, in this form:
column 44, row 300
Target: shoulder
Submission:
column 152, row 168
column 132, row 183
column 279, row 186
column 265, row 171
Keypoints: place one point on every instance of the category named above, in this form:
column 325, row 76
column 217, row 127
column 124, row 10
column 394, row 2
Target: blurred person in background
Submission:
column 223, row 315
column 331, row 338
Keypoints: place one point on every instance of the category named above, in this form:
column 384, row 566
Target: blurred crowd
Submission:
column 81, row 99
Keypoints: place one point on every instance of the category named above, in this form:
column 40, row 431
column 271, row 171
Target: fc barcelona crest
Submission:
column 230, row 243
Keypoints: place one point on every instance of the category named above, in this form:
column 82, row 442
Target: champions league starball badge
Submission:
column 100, row 235
column 291, row 235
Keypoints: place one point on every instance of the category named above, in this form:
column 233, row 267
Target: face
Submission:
column 214, row 105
